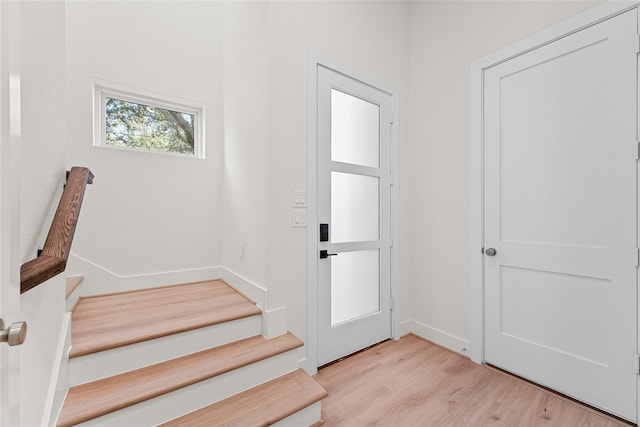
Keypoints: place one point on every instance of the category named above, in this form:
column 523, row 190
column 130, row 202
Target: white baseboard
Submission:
column 436, row 336
column 246, row 287
column 274, row 322
column 100, row 280
column 59, row 379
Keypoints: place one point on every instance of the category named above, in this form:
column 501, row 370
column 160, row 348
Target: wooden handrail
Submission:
column 53, row 258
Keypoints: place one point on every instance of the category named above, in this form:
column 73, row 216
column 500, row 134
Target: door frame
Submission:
column 476, row 258
column 314, row 60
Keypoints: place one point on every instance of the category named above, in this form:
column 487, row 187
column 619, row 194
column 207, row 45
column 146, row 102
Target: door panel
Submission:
column 560, row 155
column 355, row 130
column 9, row 208
column 355, row 285
column 355, row 207
column 354, row 280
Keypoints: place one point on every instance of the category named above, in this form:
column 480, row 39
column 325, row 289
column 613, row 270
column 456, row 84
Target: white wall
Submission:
column 147, row 212
column 43, row 120
column 246, row 140
column 446, row 37
column 248, row 65
column 368, row 37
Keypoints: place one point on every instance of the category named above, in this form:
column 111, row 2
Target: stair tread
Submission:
column 91, row 400
column 260, row 406
column 109, row 321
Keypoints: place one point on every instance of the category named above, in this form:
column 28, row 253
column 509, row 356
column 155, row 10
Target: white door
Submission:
column 9, row 211
column 354, row 293
column 560, row 215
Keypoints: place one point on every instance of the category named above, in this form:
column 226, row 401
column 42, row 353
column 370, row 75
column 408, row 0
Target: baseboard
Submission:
column 274, row 320
column 246, row 287
column 59, row 383
column 100, row 280
column 436, row 336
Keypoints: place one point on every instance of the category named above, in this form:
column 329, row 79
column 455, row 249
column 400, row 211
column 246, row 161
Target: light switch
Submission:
column 299, row 217
column 299, row 199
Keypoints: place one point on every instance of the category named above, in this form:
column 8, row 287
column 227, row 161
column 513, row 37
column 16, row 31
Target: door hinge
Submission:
column 391, row 117
column 638, row 152
column 637, row 43
column 636, row 360
column 637, row 257
column 391, row 302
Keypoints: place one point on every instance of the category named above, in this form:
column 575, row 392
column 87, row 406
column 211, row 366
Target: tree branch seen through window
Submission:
column 138, row 126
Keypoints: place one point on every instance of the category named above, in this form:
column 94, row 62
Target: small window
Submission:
column 128, row 120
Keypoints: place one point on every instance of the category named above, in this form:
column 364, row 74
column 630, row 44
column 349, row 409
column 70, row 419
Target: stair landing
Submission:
column 109, row 321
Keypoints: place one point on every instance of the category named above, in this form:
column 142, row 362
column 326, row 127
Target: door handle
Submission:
column 491, row 252
column 15, row 334
column 324, row 254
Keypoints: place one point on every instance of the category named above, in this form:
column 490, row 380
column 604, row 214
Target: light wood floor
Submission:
column 412, row 382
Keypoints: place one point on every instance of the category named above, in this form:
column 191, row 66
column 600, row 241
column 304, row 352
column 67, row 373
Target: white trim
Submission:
column 59, row 383
column 101, row 89
column 313, row 61
column 252, row 290
column 395, row 215
column 556, row 32
column 274, row 322
column 436, row 336
column 563, row 29
column 100, row 280
column 476, row 291
column 310, row 364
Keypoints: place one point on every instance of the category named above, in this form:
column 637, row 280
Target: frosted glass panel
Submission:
column 355, row 130
column 354, row 207
column 355, row 285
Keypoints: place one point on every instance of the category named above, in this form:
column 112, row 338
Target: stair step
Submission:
column 91, row 400
column 263, row 405
column 95, row 366
column 105, row 322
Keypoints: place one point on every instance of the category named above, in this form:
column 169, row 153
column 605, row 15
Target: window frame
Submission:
column 104, row 89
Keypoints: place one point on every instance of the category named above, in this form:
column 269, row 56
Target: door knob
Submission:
column 14, row 334
column 491, row 252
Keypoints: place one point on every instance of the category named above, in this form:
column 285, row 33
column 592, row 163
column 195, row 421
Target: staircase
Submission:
column 183, row 355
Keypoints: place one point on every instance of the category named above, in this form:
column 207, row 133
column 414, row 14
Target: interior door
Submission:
column 354, row 278
column 560, row 215
column 9, row 211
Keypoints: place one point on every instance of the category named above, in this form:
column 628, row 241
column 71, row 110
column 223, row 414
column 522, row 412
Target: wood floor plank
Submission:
column 109, row 321
column 412, row 382
column 260, row 406
column 88, row 401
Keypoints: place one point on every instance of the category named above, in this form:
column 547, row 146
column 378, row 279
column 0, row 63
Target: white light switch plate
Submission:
column 299, row 199
column 299, row 217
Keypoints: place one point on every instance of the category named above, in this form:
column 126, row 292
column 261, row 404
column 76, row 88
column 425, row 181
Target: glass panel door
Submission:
column 354, row 203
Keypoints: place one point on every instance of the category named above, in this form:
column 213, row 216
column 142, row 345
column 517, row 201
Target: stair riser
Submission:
column 107, row 363
column 304, row 417
column 172, row 405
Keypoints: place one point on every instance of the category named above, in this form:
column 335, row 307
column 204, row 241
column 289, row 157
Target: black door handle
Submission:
column 324, row 254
